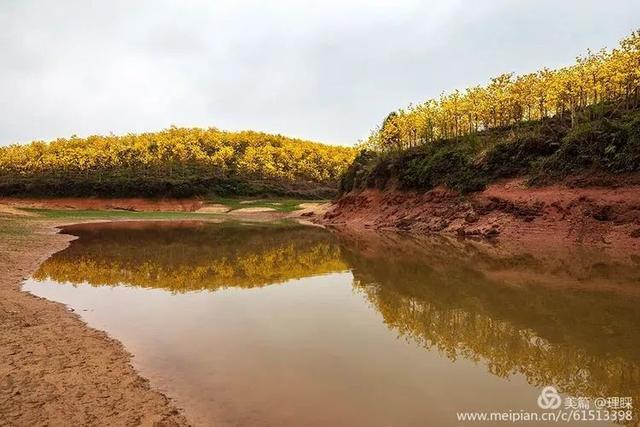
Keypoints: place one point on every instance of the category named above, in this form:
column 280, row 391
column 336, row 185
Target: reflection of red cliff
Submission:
column 593, row 215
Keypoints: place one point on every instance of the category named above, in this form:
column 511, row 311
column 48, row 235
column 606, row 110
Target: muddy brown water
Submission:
column 284, row 324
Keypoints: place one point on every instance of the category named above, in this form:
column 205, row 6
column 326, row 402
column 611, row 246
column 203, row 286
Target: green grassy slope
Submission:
column 544, row 151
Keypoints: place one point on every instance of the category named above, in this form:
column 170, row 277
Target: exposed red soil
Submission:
column 129, row 204
column 507, row 210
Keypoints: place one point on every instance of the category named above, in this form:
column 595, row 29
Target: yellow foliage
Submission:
column 176, row 155
column 183, row 259
column 604, row 76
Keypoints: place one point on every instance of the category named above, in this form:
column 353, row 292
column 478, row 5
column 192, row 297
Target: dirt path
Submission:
column 54, row 369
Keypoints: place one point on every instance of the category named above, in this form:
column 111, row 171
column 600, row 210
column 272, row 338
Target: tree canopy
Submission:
column 508, row 99
column 183, row 161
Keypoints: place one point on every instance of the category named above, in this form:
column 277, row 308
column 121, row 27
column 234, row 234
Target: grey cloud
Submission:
column 325, row 70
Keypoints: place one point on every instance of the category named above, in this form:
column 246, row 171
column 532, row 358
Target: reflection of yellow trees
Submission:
column 447, row 295
column 185, row 259
column 444, row 296
column 507, row 348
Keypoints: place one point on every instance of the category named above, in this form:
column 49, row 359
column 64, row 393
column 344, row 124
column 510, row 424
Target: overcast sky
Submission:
column 328, row 70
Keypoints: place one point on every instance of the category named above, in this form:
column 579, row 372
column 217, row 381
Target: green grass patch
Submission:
column 11, row 226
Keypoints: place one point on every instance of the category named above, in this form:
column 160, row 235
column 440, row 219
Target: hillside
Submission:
column 557, row 151
column 543, row 151
column 550, row 122
column 176, row 162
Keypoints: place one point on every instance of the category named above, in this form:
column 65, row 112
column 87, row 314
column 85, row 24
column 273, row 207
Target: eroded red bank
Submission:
column 507, row 210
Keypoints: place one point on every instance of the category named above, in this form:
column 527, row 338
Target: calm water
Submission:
column 292, row 325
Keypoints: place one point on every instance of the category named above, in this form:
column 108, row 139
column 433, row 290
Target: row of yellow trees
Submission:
column 604, row 76
column 176, row 153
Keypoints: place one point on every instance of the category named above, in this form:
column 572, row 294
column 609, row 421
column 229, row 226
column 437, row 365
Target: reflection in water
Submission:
column 451, row 296
column 191, row 256
column 567, row 318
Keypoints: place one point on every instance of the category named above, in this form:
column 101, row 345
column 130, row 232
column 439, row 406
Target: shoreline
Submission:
column 58, row 368
column 508, row 211
column 62, row 370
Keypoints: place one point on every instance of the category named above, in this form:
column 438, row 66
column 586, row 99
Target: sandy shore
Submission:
column 55, row 370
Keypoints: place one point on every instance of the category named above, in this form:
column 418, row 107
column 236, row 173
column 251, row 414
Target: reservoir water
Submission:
column 285, row 324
